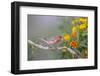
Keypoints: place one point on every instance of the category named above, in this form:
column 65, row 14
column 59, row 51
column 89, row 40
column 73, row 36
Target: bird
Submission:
column 54, row 40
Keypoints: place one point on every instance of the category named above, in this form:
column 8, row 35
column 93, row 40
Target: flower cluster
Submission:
column 75, row 36
column 79, row 25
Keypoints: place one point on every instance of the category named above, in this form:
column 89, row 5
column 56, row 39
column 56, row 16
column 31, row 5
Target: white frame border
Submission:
column 24, row 64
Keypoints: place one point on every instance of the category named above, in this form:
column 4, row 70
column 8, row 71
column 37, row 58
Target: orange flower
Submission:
column 73, row 44
column 73, row 34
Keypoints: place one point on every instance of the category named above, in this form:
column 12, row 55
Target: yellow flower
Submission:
column 83, row 20
column 74, row 21
column 73, row 44
column 74, row 29
column 83, row 26
column 66, row 37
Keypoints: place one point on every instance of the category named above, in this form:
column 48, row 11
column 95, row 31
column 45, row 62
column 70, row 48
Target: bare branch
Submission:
column 50, row 48
column 37, row 45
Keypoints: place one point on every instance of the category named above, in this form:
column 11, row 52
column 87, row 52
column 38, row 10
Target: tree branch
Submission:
column 50, row 48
